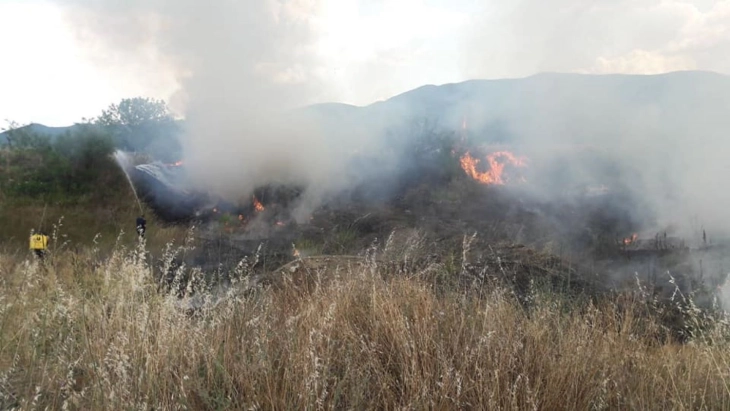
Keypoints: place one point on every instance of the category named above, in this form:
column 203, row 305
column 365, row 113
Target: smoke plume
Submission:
column 241, row 66
column 665, row 135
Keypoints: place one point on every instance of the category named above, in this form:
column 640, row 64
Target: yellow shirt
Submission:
column 38, row 242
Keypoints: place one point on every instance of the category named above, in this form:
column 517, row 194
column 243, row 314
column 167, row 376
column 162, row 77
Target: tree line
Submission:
column 77, row 164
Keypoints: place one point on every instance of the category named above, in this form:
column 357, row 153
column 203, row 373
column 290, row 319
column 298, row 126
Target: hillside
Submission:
column 39, row 129
column 632, row 115
column 431, row 283
column 544, row 104
column 661, row 137
column 572, row 105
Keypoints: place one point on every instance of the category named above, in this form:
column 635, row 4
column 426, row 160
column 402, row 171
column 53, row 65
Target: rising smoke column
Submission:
column 240, row 66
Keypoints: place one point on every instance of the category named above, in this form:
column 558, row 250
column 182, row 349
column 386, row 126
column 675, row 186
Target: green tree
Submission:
column 135, row 112
column 143, row 125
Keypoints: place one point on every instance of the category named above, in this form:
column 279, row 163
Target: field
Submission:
column 84, row 330
column 442, row 294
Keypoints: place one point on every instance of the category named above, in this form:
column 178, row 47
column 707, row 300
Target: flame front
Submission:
column 629, row 240
column 257, row 204
column 495, row 174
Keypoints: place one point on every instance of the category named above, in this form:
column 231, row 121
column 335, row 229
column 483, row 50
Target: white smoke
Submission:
column 241, row 67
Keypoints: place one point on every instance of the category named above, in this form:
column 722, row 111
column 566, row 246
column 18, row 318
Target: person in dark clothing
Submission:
column 141, row 226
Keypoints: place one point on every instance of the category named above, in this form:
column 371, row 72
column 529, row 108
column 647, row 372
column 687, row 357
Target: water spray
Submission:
column 125, row 163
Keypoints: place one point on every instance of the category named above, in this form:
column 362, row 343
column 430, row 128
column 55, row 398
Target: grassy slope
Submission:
column 79, row 224
column 89, row 330
column 107, row 211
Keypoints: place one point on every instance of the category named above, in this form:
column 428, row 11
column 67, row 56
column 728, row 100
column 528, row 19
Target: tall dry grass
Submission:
column 81, row 332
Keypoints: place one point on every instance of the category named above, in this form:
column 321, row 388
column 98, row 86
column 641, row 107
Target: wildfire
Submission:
column 257, row 204
column 175, row 164
column 497, row 161
column 629, row 240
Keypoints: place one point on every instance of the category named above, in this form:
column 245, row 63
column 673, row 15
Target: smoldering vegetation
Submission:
column 618, row 209
column 657, row 140
column 454, row 246
column 595, row 240
column 602, row 138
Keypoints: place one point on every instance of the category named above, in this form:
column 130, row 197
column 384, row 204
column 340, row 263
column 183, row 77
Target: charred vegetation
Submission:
column 481, row 221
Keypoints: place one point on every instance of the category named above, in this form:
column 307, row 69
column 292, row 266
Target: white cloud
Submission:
column 376, row 49
column 41, row 70
column 47, row 76
column 644, row 37
column 642, row 62
column 358, row 51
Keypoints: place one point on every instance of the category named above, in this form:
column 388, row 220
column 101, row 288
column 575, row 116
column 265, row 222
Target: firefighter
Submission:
column 141, row 226
column 39, row 243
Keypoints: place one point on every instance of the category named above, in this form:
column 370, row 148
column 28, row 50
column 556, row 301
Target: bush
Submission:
column 74, row 165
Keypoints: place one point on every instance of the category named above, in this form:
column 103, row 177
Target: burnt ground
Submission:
column 508, row 236
column 459, row 234
column 431, row 219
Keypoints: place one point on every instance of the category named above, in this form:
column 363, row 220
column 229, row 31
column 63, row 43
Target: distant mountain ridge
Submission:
column 35, row 128
column 507, row 109
column 551, row 102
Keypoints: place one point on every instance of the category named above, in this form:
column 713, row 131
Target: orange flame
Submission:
column 280, row 224
column 629, row 240
column 257, row 204
column 496, row 168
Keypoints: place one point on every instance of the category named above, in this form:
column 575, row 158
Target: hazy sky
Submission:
column 53, row 71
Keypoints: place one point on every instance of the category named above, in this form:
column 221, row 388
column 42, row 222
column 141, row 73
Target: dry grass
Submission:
column 84, row 332
column 73, row 226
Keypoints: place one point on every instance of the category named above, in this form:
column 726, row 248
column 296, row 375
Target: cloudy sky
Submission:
column 68, row 59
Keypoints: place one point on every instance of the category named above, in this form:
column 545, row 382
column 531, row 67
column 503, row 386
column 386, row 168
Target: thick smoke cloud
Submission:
column 659, row 143
column 665, row 138
column 241, row 67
